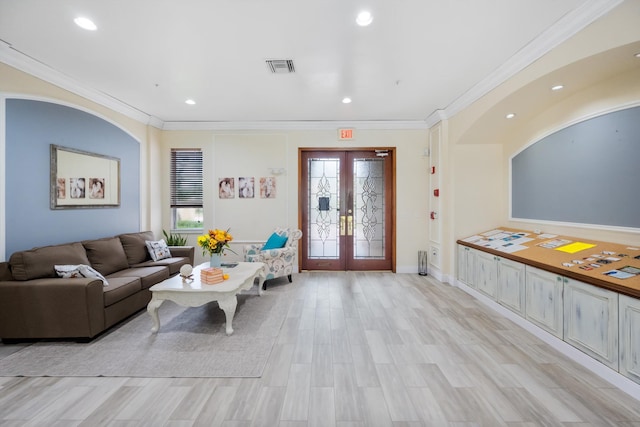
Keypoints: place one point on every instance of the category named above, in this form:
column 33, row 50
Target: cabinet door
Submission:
column 544, row 300
column 591, row 321
column 466, row 265
column 486, row 274
column 630, row 337
column 511, row 285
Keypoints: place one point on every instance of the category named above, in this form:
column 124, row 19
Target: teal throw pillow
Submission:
column 275, row 241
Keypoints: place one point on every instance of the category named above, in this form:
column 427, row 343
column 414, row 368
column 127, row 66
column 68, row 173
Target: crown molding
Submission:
column 155, row 122
column 436, row 117
column 299, row 125
column 22, row 62
column 566, row 27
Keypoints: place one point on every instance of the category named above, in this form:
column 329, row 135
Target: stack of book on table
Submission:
column 211, row 275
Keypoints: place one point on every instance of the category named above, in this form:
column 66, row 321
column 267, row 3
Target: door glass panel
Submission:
column 323, row 232
column 368, row 209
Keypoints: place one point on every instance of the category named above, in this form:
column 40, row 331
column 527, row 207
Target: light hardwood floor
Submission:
column 356, row 349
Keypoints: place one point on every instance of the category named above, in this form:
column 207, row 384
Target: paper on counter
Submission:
column 618, row 274
column 511, row 248
column 575, row 247
column 547, row 236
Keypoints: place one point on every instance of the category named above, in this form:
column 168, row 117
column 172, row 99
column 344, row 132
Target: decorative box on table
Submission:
column 211, row 275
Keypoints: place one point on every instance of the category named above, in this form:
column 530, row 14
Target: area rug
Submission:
column 191, row 343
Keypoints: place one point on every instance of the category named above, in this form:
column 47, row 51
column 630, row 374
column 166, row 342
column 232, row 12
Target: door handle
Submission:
column 349, row 225
column 342, row 225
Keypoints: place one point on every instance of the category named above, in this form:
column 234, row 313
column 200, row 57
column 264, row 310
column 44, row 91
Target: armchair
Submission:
column 279, row 262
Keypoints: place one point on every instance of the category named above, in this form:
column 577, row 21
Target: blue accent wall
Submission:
column 587, row 173
column 31, row 127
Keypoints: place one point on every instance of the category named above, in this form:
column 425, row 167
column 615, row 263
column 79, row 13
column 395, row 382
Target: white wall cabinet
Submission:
column 543, row 296
column 591, row 321
column 486, row 277
column 511, row 285
column 629, row 337
column 466, row 265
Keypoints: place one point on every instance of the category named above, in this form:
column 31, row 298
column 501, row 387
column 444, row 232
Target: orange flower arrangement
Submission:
column 215, row 242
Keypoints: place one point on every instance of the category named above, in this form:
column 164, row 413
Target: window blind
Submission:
column 186, row 178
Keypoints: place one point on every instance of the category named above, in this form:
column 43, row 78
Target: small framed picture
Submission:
column 246, row 187
column 226, row 188
column 268, row 187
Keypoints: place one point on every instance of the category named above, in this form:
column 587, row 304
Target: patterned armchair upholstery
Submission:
column 279, row 262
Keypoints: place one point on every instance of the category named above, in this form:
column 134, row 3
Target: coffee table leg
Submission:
column 152, row 309
column 261, row 279
column 228, row 305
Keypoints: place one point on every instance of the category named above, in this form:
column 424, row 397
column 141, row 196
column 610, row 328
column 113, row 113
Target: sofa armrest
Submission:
column 183, row 251
column 5, row 271
column 51, row 308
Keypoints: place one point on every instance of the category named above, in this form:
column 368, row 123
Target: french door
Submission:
column 347, row 211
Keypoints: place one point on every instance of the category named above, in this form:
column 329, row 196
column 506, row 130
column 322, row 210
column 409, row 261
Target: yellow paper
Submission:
column 575, row 247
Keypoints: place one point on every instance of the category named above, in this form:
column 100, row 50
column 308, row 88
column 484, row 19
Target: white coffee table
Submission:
column 194, row 294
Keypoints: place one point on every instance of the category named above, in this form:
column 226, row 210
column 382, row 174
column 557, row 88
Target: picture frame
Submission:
column 268, row 187
column 246, row 187
column 226, row 188
column 81, row 179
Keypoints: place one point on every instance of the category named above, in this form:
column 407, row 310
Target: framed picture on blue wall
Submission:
column 80, row 179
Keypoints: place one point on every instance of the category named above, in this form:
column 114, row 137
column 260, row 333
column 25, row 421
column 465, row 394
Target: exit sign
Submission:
column 345, row 134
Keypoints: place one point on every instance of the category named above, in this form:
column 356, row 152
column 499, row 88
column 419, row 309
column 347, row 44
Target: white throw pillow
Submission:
column 81, row 270
column 158, row 250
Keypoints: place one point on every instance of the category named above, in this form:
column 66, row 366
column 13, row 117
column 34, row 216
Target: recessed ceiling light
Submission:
column 85, row 23
column 557, row 87
column 637, row 55
column 364, row 18
column 346, row 100
column 190, row 102
column 510, row 115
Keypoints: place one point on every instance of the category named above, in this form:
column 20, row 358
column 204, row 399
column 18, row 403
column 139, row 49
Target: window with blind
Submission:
column 186, row 189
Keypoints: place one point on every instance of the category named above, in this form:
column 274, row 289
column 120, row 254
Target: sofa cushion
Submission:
column 149, row 276
column 106, row 255
column 134, row 246
column 120, row 288
column 173, row 263
column 39, row 262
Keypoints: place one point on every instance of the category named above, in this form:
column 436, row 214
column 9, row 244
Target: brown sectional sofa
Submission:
column 36, row 303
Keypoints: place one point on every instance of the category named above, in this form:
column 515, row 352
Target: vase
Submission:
column 216, row 260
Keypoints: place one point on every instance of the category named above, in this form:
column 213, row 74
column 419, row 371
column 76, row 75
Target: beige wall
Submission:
column 245, row 153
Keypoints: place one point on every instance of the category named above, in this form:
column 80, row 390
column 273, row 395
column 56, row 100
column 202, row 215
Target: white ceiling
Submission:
column 418, row 56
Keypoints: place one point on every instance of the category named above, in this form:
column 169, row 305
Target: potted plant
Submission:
column 174, row 239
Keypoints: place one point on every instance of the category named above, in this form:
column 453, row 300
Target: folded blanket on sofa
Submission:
column 79, row 270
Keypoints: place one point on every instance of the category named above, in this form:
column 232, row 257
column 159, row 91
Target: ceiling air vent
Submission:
column 281, row 66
